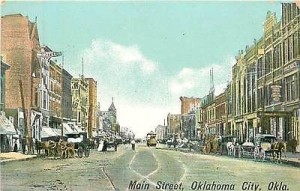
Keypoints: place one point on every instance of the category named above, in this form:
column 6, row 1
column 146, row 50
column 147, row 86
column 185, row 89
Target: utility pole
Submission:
column 27, row 132
column 61, row 97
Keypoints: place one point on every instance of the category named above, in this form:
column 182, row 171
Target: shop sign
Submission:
column 276, row 92
column 291, row 67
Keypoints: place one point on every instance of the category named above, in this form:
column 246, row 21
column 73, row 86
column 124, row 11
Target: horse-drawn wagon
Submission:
column 81, row 143
column 247, row 149
column 263, row 144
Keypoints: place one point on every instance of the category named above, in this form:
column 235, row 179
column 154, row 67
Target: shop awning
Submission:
column 67, row 128
column 48, row 132
column 6, row 127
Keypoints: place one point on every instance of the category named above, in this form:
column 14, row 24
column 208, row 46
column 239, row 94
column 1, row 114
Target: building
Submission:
column 188, row 126
column 174, row 124
column 160, row 132
column 55, row 95
column 208, row 123
column 80, row 104
column 7, row 130
column 221, row 113
column 265, row 80
column 3, row 68
column 67, row 96
column 188, row 104
column 19, row 47
column 92, row 120
column 109, row 119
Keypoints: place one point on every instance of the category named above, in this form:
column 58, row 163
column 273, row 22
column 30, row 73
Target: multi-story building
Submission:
column 80, row 92
column 3, row 68
column 208, row 125
column 109, row 119
column 55, row 95
column 290, row 24
column 92, row 106
column 67, row 96
column 265, row 80
column 174, row 124
column 188, row 126
column 19, row 47
column 6, row 127
column 221, row 124
column 188, row 104
column 160, row 132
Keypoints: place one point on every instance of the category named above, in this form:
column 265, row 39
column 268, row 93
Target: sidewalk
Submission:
column 14, row 156
column 289, row 158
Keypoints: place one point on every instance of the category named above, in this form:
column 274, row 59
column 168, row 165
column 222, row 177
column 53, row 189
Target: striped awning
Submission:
column 6, row 127
column 48, row 132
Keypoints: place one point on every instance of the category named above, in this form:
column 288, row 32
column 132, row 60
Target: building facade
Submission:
column 109, row 119
column 67, row 96
column 20, row 46
column 92, row 120
column 3, row 68
column 80, row 92
column 174, row 124
column 188, row 104
column 160, row 132
column 265, row 80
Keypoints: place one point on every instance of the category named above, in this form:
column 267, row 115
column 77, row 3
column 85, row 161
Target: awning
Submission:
column 48, row 132
column 6, row 127
column 67, row 128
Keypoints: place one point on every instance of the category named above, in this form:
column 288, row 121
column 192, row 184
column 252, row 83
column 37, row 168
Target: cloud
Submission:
column 143, row 94
column 196, row 81
column 119, row 56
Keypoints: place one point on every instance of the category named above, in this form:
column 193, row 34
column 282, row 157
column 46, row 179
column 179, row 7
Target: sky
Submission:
column 147, row 54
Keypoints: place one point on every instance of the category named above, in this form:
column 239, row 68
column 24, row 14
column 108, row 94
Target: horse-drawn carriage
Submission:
column 65, row 146
column 81, row 143
column 268, row 145
column 211, row 144
column 51, row 145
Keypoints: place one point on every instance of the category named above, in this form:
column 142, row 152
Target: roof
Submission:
column 6, row 127
column 112, row 107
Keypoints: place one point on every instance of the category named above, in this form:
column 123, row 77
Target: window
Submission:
column 44, row 100
column 291, row 89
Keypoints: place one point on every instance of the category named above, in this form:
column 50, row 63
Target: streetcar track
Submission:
column 148, row 175
column 108, row 177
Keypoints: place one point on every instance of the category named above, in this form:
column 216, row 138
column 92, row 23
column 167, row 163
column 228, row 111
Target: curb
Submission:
column 22, row 159
column 283, row 161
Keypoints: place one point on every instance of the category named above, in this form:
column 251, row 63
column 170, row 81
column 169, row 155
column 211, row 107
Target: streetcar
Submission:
column 151, row 140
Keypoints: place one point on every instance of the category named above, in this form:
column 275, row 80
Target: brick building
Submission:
column 19, row 47
column 189, row 104
column 92, row 120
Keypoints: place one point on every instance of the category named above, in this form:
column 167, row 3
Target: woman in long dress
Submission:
column 100, row 147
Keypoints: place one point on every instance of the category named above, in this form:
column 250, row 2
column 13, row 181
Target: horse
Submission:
column 277, row 148
column 49, row 147
column 231, row 147
column 38, row 146
column 66, row 149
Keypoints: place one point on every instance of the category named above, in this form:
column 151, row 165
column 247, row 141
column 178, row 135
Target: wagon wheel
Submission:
column 80, row 152
column 86, row 152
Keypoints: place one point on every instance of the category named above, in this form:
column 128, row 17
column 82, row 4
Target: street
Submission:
column 148, row 169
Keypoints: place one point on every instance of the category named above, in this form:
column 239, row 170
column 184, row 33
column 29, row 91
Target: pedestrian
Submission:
column 133, row 144
column 100, row 145
column 23, row 145
column 116, row 145
column 104, row 145
column 16, row 146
